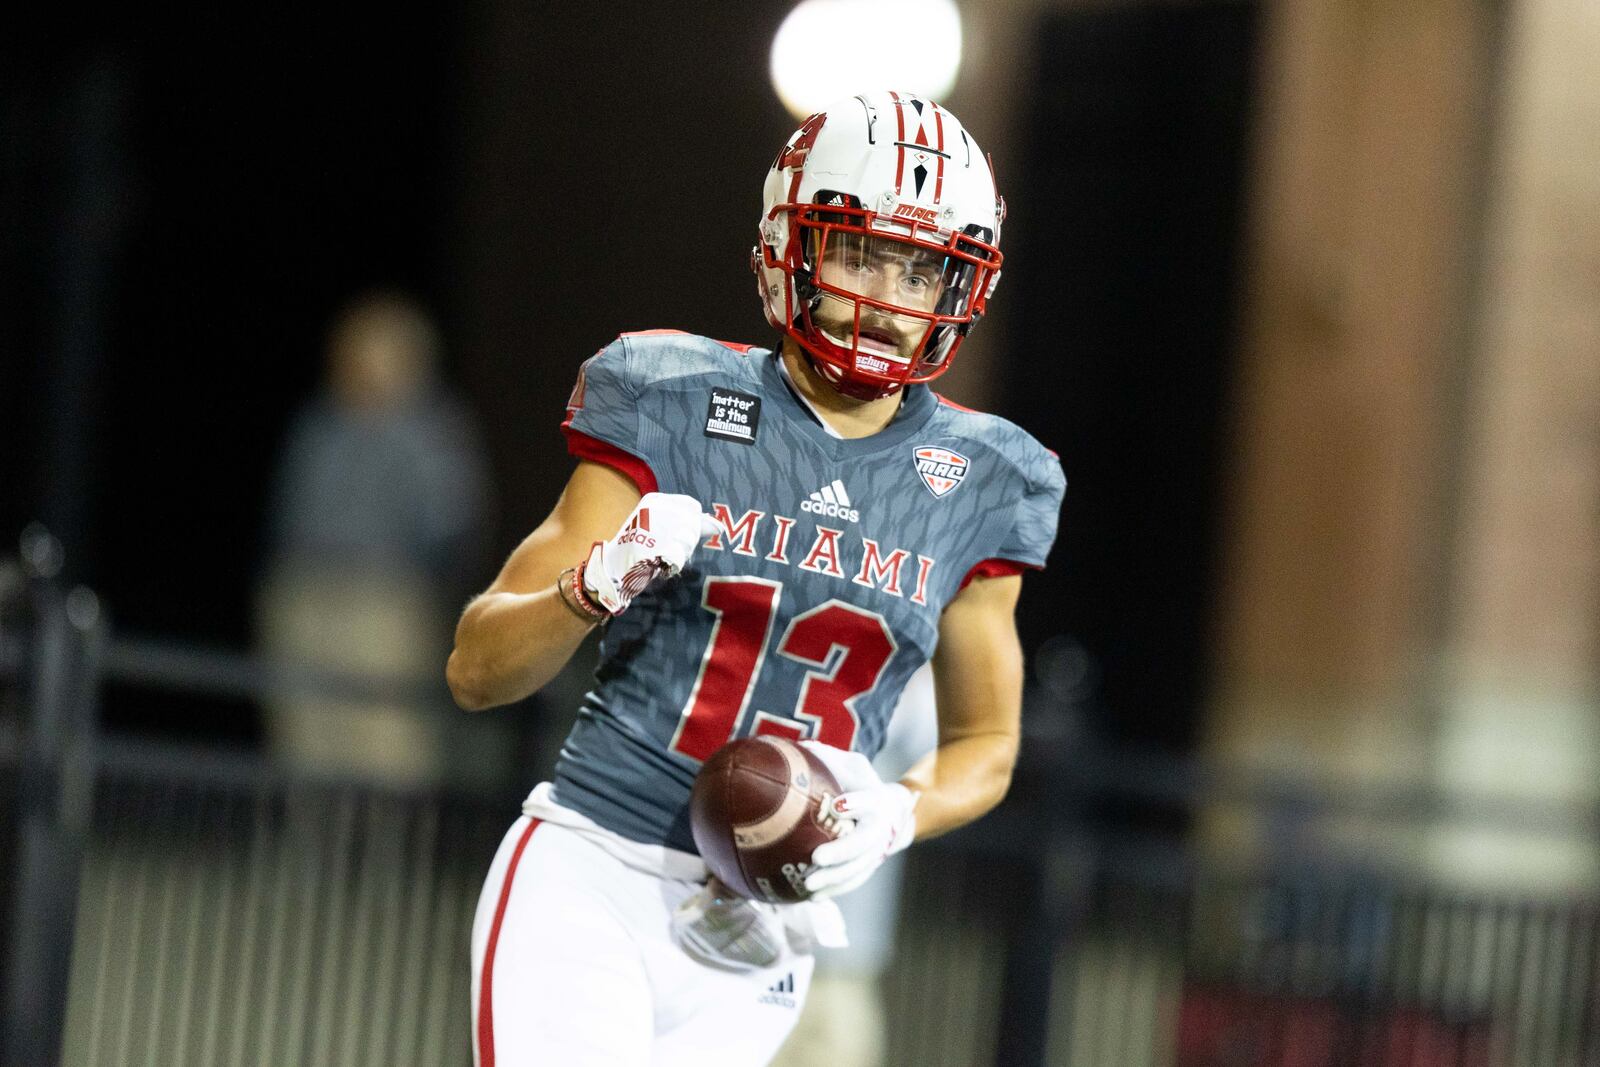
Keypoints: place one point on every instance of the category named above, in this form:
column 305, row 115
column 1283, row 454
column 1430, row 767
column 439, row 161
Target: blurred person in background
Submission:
column 377, row 526
column 845, row 1022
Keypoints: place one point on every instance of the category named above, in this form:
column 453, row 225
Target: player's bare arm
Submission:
column 977, row 672
column 515, row 636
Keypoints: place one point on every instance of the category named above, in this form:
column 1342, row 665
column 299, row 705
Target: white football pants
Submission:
column 574, row 965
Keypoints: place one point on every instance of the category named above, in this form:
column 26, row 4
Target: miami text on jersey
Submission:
column 869, row 565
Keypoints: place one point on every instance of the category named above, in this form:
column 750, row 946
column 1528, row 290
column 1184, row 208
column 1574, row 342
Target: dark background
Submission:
column 1128, row 251
column 187, row 201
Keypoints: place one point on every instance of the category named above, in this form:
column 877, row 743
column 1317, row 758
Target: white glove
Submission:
column 656, row 541
column 880, row 820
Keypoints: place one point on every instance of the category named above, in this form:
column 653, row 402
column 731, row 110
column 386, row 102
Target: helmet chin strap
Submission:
column 844, row 385
column 835, row 376
column 839, row 382
column 853, row 389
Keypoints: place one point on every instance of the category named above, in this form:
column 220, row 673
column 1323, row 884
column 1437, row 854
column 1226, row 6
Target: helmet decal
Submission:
column 794, row 155
column 922, row 152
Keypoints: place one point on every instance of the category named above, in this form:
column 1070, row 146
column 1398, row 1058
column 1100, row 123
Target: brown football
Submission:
column 757, row 813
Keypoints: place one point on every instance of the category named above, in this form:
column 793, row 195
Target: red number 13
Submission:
column 745, row 608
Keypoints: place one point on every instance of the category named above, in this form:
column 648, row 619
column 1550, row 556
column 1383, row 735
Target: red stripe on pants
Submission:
column 486, row 987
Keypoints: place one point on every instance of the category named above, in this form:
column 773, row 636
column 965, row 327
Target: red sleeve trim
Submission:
column 583, row 446
column 998, row 568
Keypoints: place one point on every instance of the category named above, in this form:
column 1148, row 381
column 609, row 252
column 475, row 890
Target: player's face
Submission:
column 884, row 270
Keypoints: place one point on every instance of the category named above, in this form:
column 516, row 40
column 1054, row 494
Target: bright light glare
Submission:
column 830, row 49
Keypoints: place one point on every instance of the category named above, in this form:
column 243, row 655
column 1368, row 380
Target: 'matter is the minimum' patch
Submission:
column 733, row 416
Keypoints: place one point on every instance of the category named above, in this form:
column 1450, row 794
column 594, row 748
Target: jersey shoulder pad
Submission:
column 1026, row 498
column 1038, row 466
column 656, row 357
column 631, row 393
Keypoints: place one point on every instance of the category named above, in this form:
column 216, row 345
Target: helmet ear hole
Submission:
column 805, row 290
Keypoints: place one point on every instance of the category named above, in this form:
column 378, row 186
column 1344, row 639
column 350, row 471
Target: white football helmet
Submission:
column 879, row 240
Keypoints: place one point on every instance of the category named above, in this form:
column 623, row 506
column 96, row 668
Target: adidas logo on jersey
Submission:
column 832, row 501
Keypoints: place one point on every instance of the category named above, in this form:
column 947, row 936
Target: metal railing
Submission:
column 280, row 923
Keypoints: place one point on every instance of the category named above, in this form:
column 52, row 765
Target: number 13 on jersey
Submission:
column 845, row 646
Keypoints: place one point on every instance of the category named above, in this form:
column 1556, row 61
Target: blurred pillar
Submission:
column 85, row 241
column 1519, row 687
column 1363, row 209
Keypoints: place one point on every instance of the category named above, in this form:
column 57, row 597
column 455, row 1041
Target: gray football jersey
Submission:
column 821, row 594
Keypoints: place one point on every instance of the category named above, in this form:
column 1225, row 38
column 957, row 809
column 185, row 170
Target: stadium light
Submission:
column 825, row 48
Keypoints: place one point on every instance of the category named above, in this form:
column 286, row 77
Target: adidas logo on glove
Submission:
column 637, row 531
column 832, row 501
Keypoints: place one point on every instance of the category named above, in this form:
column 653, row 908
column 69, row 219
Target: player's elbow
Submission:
column 466, row 684
column 465, row 671
column 999, row 768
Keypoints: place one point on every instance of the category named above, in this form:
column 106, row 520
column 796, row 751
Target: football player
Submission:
column 773, row 541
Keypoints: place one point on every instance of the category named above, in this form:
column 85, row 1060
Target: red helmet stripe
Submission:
column 938, row 184
column 900, row 160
